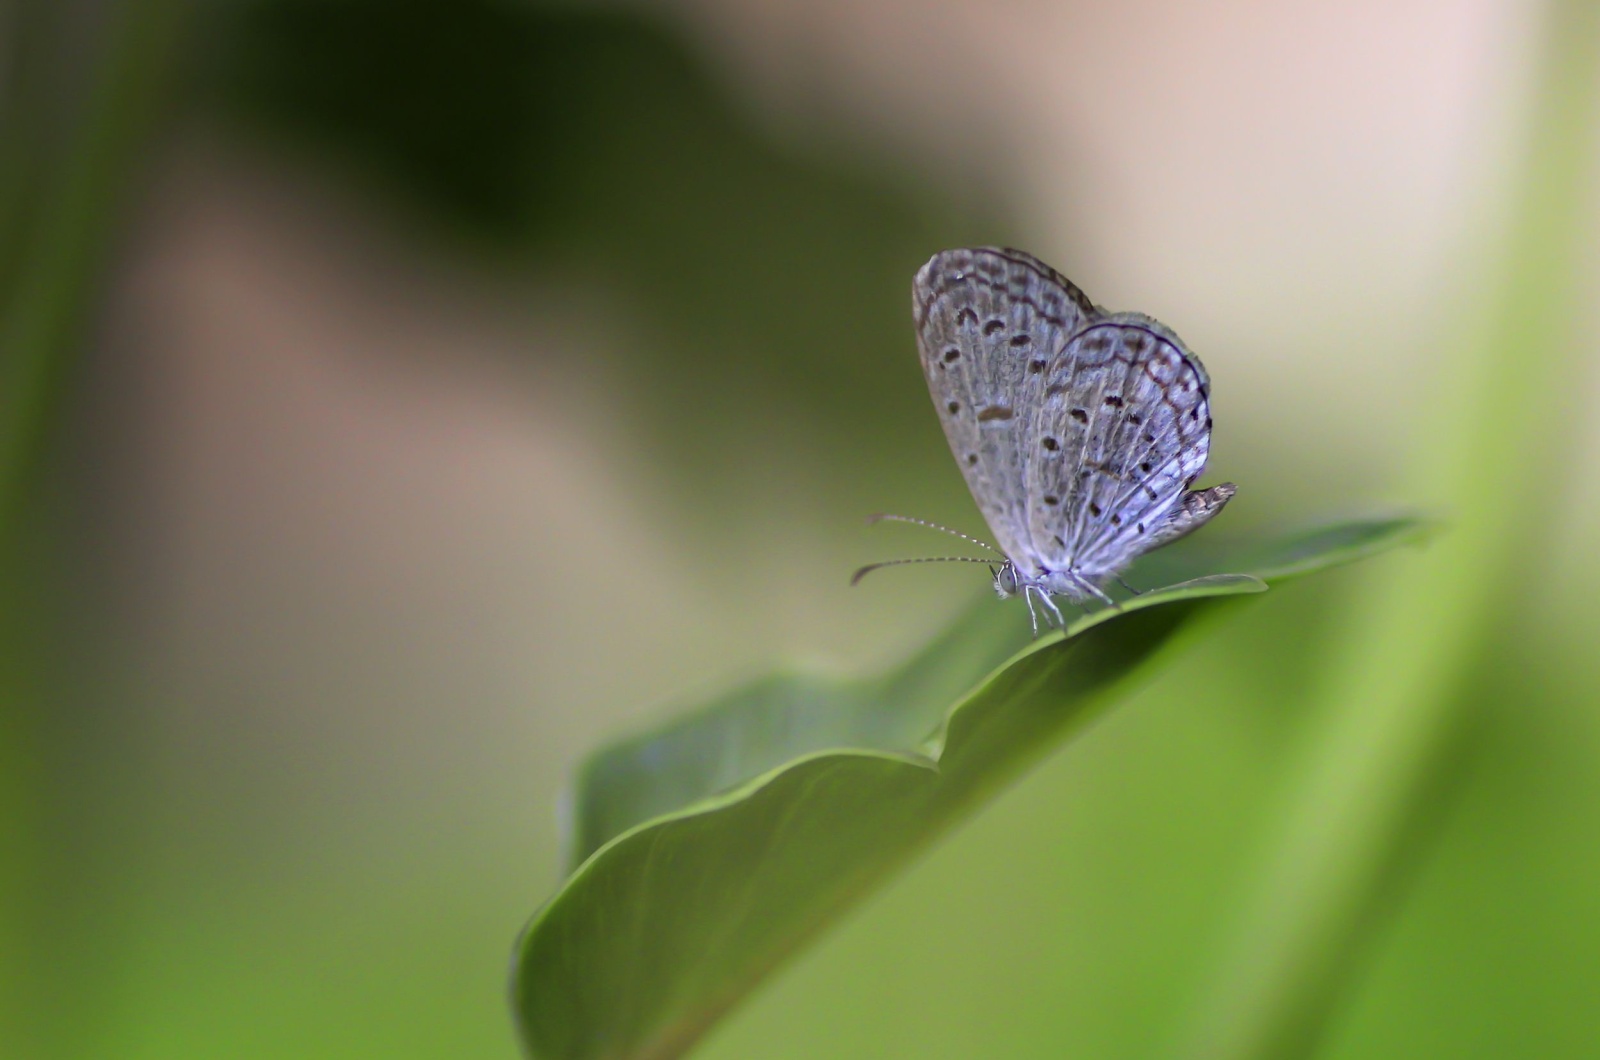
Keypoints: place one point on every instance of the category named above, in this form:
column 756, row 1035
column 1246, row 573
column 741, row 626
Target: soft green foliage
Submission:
column 1400, row 676
column 1350, row 832
column 714, row 847
column 66, row 157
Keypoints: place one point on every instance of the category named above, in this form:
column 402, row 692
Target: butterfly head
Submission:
column 1005, row 580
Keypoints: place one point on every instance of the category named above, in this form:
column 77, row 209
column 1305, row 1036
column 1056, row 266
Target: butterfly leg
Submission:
column 1028, row 596
column 1050, row 606
column 1131, row 589
column 1095, row 591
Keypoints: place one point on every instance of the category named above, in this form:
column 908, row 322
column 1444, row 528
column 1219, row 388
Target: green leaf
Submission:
column 714, row 847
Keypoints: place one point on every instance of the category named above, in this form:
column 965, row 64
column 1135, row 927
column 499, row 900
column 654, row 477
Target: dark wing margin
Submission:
column 1192, row 512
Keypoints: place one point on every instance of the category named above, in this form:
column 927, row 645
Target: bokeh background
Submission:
column 435, row 389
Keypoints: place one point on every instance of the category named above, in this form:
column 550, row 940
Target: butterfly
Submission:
column 1080, row 433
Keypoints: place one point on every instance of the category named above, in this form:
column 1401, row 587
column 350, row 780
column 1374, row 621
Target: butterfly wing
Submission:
column 1122, row 432
column 990, row 324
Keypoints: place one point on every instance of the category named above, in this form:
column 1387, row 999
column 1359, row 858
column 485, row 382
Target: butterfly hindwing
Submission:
column 1125, row 426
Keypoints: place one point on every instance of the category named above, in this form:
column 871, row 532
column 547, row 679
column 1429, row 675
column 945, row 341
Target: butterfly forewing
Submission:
column 990, row 324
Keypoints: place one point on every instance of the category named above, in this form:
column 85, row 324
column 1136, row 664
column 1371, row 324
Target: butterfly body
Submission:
column 1080, row 432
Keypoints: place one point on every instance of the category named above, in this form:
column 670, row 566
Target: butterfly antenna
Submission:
column 886, row 517
column 869, row 568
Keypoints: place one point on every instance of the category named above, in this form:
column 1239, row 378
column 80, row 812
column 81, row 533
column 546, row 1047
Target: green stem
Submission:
column 58, row 218
column 1394, row 693
column 45, row 305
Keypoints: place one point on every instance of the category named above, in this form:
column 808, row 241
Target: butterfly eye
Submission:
column 1005, row 581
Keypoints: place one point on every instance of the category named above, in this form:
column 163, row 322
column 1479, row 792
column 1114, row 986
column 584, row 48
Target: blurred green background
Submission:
column 404, row 398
